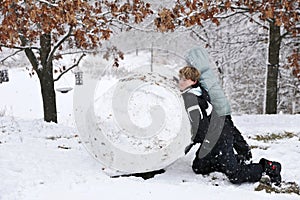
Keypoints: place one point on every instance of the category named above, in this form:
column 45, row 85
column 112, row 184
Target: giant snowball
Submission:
column 133, row 124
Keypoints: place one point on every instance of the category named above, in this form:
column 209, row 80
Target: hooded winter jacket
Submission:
column 199, row 58
column 199, row 109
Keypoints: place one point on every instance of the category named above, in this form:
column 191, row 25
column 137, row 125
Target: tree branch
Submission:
column 82, row 51
column 59, row 43
column 230, row 15
column 19, row 48
column 285, row 34
column 256, row 21
column 130, row 26
column 48, row 3
column 75, row 65
column 16, row 52
column 199, row 36
column 30, row 55
column 237, row 8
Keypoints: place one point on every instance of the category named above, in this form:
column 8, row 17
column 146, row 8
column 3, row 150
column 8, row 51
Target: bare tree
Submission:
column 280, row 15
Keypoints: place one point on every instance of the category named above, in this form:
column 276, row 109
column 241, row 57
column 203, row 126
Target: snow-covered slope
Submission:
column 47, row 161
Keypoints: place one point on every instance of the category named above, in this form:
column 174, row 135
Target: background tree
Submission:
column 278, row 14
column 44, row 29
column 240, row 49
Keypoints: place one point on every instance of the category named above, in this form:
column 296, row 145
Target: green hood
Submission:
column 199, row 58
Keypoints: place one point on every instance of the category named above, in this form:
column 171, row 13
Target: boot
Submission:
column 272, row 169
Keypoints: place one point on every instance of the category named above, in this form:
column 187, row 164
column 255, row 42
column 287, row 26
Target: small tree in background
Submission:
column 280, row 15
column 44, row 29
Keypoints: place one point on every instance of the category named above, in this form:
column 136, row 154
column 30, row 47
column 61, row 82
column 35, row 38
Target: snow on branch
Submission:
column 138, row 28
column 73, row 66
column 48, row 3
column 59, row 43
column 11, row 55
column 19, row 48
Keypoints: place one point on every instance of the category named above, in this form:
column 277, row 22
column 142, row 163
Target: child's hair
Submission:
column 189, row 72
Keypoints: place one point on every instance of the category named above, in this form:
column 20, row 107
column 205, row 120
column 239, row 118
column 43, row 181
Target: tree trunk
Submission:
column 272, row 69
column 46, row 80
column 48, row 95
column 45, row 75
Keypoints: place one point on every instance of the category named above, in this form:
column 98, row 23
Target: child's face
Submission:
column 185, row 83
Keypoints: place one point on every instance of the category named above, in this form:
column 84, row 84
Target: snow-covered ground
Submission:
column 41, row 160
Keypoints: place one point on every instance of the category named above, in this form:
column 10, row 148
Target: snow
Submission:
column 41, row 160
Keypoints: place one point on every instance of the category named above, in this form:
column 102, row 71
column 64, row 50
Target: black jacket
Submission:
column 198, row 107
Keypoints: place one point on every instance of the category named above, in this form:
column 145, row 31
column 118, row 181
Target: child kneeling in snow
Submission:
column 219, row 154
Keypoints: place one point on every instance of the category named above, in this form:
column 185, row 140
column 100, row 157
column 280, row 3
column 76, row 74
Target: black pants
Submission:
column 222, row 159
column 239, row 143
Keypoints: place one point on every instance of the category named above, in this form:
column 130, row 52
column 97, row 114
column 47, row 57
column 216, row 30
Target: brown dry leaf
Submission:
column 227, row 4
column 269, row 13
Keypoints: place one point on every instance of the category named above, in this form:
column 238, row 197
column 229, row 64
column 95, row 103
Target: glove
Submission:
column 188, row 148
